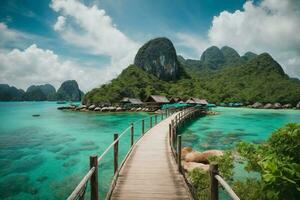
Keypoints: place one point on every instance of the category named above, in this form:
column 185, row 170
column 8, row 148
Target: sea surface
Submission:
column 231, row 125
column 45, row 157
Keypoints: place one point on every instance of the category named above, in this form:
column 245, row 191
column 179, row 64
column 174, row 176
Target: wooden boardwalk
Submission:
column 150, row 171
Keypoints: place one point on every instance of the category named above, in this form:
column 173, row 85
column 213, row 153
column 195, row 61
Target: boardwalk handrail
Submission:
column 180, row 118
column 215, row 178
column 227, row 187
column 83, row 183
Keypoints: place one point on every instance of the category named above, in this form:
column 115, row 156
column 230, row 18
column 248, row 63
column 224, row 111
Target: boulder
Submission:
column 111, row 108
column 138, row 109
column 189, row 166
column 298, row 105
column 196, row 156
column 268, row 106
column 185, row 151
column 257, row 105
column 277, row 105
column 92, row 107
column 119, row 109
column 97, row 109
column 104, row 109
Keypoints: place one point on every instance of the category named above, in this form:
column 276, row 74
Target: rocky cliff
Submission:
column 158, row 57
column 70, row 91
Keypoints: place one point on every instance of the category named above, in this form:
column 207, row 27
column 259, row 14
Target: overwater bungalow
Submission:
column 156, row 101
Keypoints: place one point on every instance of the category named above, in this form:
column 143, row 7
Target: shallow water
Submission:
column 232, row 125
column 45, row 157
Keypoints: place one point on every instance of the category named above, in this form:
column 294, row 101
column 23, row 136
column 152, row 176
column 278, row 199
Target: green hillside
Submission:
column 221, row 75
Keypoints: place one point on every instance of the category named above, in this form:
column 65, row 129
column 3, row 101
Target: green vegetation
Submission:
column 277, row 161
column 200, row 178
column 69, row 90
column 259, row 79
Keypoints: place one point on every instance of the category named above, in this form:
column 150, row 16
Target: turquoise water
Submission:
column 45, row 157
column 232, row 125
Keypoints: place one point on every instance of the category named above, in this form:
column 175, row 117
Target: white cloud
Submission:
column 38, row 66
column 91, row 29
column 192, row 41
column 271, row 26
column 60, row 23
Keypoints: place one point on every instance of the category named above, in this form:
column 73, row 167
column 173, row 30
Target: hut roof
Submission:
column 157, row 99
column 125, row 100
column 135, row 101
column 175, row 99
column 131, row 100
column 197, row 101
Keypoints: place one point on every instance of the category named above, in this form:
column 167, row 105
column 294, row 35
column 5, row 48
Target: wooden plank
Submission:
column 150, row 171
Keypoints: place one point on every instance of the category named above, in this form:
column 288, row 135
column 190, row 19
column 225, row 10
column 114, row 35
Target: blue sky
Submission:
column 92, row 41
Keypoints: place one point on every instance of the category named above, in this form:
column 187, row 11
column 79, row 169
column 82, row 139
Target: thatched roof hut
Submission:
column 131, row 101
column 175, row 99
column 194, row 100
column 157, row 99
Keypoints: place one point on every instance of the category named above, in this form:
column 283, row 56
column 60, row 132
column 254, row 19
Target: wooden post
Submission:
column 150, row 121
column 116, row 146
column 179, row 152
column 214, row 193
column 155, row 119
column 170, row 133
column 132, row 134
column 143, row 126
column 162, row 116
column 94, row 177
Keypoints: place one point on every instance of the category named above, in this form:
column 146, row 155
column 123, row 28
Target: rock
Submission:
column 268, row 106
column 111, row 108
column 92, row 107
column 119, row 109
column 185, row 151
column 257, row 105
column 138, row 109
column 97, row 109
column 277, row 105
column 189, row 166
column 104, row 109
column 298, row 105
column 196, row 156
column 158, row 57
column 70, row 91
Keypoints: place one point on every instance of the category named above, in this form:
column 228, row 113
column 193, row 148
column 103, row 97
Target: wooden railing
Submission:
column 92, row 175
column 175, row 138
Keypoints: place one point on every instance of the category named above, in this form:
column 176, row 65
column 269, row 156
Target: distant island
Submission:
column 221, row 76
column 68, row 91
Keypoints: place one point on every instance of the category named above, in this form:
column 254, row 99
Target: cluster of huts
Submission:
column 151, row 104
column 274, row 105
